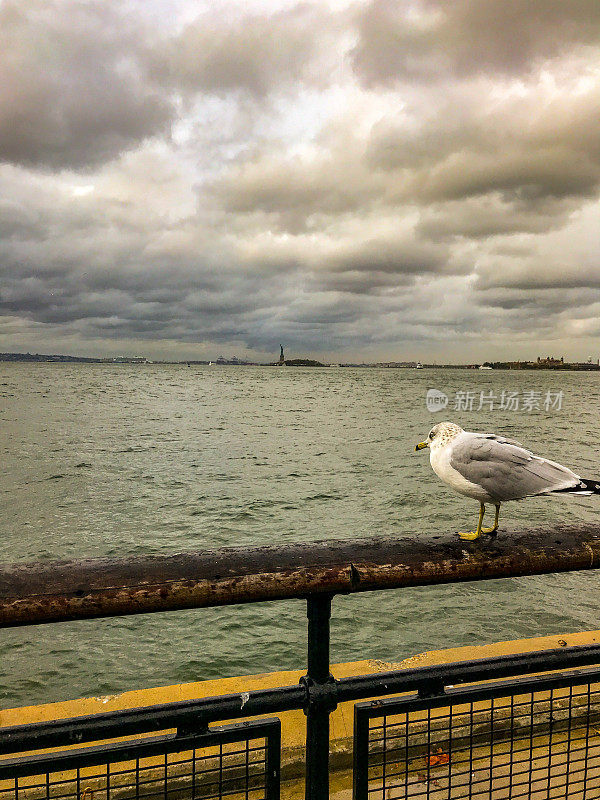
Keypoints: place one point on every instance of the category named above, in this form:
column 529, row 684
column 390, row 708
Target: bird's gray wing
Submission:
column 507, row 471
column 502, row 439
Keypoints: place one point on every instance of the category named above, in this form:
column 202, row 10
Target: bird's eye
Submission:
column 431, row 435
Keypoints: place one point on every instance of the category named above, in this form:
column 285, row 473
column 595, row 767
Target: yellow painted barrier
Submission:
column 293, row 722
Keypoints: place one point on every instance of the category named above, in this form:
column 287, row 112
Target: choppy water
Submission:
column 109, row 460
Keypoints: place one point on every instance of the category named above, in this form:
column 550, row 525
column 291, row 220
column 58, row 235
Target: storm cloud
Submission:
column 360, row 180
column 440, row 41
column 75, row 92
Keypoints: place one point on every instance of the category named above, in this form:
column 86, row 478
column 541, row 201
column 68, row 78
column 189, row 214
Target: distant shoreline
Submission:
column 39, row 358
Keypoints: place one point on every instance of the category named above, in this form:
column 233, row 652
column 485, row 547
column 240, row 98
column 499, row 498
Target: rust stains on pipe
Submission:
column 69, row 590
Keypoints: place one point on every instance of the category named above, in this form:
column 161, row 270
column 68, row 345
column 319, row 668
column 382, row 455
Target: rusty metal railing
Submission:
column 52, row 592
column 70, row 590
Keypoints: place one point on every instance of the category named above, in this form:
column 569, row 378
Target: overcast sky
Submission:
column 367, row 180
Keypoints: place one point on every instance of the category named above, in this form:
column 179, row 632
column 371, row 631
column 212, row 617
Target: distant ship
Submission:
column 484, row 367
column 210, row 364
column 419, row 365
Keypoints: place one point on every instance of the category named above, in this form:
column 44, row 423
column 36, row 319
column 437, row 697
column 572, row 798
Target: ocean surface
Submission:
column 107, row 460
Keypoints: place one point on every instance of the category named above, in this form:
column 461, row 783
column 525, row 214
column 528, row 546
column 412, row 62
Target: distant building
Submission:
column 550, row 361
column 281, row 356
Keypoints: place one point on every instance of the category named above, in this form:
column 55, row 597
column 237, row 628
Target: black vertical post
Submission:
column 320, row 704
column 273, row 763
column 360, row 766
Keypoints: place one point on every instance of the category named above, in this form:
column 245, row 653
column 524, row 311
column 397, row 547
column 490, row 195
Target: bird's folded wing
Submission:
column 502, row 439
column 506, row 471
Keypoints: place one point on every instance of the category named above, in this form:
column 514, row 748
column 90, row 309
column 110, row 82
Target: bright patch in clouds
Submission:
column 81, row 191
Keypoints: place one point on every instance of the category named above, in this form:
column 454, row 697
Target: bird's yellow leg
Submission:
column 472, row 535
column 495, row 526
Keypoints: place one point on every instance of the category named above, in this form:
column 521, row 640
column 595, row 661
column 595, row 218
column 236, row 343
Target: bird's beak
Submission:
column 420, row 446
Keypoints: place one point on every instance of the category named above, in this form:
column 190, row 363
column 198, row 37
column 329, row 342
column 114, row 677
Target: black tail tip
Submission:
column 586, row 486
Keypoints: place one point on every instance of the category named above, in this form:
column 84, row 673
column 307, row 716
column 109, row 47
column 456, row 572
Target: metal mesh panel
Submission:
column 246, row 768
column 538, row 744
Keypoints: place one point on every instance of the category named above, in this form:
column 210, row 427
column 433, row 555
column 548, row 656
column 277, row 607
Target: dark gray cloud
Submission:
column 536, row 273
column 253, row 53
column 293, row 190
column 547, row 301
column 75, row 89
column 397, row 254
column 438, row 40
column 479, row 218
column 524, row 149
column 376, row 266
column 564, row 262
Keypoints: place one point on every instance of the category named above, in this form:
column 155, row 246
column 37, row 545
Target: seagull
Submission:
column 493, row 469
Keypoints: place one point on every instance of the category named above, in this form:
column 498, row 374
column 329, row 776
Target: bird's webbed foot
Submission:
column 470, row 536
column 490, row 531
